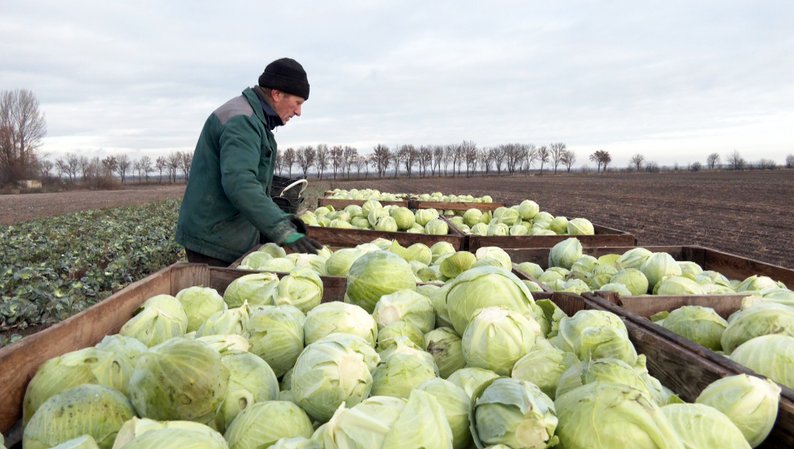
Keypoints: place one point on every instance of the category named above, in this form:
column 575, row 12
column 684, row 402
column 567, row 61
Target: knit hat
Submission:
column 286, row 75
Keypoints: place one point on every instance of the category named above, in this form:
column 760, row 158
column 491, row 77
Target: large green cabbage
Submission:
column 336, row 316
column 565, row 253
column 543, row 365
column 603, row 415
column 515, row 413
column 659, row 266
column 264, row 423
column 496, row 338
column 160, row 318
column 199, row 304
column 446, row 348
column 302, row 288
column 770, row 355
column 701, row 426
column 402, row 369
column 251, row 380
column 455, row 402
column 254, row 288
column 751, row 403
column 759, row 319
column 180, row 379
column 375, row 274
column 276, row 334
column 697, row 323
column 89, row 409
column 405, row 305
column 470, row 379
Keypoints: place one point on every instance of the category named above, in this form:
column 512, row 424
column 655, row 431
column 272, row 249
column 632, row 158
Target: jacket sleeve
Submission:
column 240, row 144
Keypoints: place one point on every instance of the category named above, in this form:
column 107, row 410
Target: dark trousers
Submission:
column 194, row 257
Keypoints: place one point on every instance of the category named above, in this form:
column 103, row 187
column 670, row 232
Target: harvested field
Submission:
column 746, row 213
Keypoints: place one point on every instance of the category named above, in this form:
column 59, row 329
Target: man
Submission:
column 227, row 209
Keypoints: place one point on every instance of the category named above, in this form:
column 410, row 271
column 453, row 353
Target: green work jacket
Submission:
column 227, row 199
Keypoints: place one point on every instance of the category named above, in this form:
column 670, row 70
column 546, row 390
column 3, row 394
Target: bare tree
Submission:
column 381, row 159
column 454, row 155
column 337, row 159
column 602, row 158
column 349, row 158
column 425, row 159
column 530, row 155
column 468, row 154
column 438, row 160
column 136, row 168
column 543, row 156
column 790, row 161
column 409, row 156
column 512, row 153
column 321, row 159
column 712, row 161
column 736, row 161
column 568, row 159
column 396, row 158
column 360, row 162
column 497, row 155
column 637, row 160
column 606, row 158
column 111, row 164
column 45, row 167
column 555, row 152
column 484, row 156
column 22, row 126
column 123, row 165
column 83, row 166
column 289, row 160
column 306, row 157
column 146, row 167
column 174, row 159
column 161, row 164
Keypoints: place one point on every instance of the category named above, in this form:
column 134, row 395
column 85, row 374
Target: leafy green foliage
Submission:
column 53, row 268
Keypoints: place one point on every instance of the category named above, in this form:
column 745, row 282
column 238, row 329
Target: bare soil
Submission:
column 745, row 213
column 32, row 206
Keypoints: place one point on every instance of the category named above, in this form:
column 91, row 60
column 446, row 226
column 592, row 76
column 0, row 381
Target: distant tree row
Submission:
column 733, row 161
column 460, row 159
column 75, row 168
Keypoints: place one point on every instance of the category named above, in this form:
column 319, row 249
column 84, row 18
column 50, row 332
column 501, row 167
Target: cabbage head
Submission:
column 472, row 216
column 302, row 288
column 456, row 263
column 84, row 366
column 678, row 286
column 135, row 433
column 699, row 425
column 634, row 258
column 338, row 264
column 437, row 226
column 335, row 316
column 446, row 348
column 375, row 274
column 440, row 249
column 399, row 331
column 199, row 303
column 160, row 318
column 770, row 355
column 254, row 288
column 455, row 402
column 515, row 413
column 496, row 253
column 750, row 402
column 595, row 334
column 403, row 217
column 758, row 320
column 180, row 379
column 527, row 209
column 697, row 323
column 81, row 442
column 470, row 379
column 543, row 365
column 401, row 370
column 424, row 216
column 580, row 226
column 390, row 423
column 330, row 372
column 565, row 253
column 602, row 415
column 659, row 266
column 496, row 338
column 484, row 287
column 264, row 423
column 757, row 283
column 276, row 335
column 229, row 321
column 88, row 409
column 531, row 269
column 405, row 305
column 251, row 380
column 633, row 279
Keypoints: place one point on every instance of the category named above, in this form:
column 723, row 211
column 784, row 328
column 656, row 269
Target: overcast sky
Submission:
column 672, row 80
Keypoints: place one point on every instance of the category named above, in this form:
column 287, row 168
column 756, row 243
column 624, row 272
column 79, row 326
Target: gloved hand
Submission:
column 299, row 224
column 301, row 243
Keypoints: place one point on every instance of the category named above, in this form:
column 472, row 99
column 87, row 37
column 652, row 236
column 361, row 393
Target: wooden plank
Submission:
column 687, row 368
column 348, row 238
column 604, row 236
column 645, row 306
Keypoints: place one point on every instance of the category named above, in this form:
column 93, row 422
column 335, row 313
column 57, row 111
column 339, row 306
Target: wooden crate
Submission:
column 348, row 238
column 19, row 361
column 604, row 236
column 687, row 368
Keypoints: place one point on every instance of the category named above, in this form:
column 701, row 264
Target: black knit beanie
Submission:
column 286, row 75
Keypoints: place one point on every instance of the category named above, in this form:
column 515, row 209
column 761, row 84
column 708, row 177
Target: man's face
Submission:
column 286, row 105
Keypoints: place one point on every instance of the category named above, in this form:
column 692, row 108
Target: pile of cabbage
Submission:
column 525, row 218
column 640, row 271
column 475, row 361
column 373, row 215
column 374, row 194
